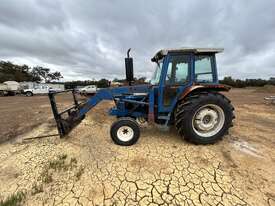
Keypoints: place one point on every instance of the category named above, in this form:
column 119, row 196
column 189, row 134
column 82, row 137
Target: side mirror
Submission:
column 129, row 67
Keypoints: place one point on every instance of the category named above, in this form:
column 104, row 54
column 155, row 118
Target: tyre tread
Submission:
column 185, row 106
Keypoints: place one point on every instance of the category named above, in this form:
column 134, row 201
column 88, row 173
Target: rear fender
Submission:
column 205, row 87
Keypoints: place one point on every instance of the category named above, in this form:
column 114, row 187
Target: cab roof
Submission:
column 163, row 52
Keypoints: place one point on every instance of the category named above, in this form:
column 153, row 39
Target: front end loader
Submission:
column 184, row 92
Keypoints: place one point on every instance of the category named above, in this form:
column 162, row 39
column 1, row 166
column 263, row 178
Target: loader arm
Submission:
column 71, row 117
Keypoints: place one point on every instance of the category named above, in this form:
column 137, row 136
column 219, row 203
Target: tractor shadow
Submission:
column 154, row 133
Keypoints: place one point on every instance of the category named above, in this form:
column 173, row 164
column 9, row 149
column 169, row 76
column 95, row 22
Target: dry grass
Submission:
column 79, row 172
column 14, row 200
column 266, row 89
column 36, row 189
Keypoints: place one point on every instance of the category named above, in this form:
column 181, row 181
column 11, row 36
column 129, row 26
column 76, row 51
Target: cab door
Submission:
column 45, row 89
column 37, row 89
column 175, row 78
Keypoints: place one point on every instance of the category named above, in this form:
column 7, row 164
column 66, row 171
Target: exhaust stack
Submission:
column 129, row 68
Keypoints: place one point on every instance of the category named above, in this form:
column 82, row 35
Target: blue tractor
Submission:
column 184, row 91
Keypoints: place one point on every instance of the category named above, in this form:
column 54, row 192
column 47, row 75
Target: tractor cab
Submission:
column 179, row 69
column 186, row 64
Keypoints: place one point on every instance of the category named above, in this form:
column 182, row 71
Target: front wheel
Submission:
column 125, row 131
column 204, row 118
column 29, row 94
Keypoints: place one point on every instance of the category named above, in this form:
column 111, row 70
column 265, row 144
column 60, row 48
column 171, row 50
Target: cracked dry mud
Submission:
column 161, row 169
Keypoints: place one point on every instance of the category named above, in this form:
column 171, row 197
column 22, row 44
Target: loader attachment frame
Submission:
column 65, row 125
column 76, row 113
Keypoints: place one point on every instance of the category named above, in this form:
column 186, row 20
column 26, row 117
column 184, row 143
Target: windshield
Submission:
column 156, row 76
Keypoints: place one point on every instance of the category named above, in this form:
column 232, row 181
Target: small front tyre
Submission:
column 125, row 131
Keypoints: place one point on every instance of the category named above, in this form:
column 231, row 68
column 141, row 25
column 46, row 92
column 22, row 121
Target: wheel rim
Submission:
column 125, row 133
column 208, row 120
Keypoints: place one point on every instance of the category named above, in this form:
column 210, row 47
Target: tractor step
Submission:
column 167, row 117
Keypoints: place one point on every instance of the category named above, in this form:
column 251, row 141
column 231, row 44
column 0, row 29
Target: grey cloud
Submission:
column 88, row 39
column 31, row 14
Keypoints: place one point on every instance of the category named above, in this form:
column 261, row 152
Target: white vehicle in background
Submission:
column 90, row 90
column 39, row 89
column 3, row 89
column 10, row 88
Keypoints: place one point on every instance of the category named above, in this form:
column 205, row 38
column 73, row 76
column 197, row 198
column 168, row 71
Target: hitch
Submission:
column 72, row 119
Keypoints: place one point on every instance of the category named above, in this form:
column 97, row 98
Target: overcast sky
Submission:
column 87, row 39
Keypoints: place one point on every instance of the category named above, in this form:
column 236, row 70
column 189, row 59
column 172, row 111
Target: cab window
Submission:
column 204, row 68
column 177, row 72
column 156, row 76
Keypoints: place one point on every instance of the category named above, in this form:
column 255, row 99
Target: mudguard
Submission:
column 204, row 87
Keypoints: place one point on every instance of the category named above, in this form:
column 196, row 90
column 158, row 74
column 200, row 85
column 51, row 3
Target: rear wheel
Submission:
column 204, row 118
column 125, row 131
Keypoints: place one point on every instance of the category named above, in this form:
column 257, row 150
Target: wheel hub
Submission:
column 125, row 133
column 208, row 120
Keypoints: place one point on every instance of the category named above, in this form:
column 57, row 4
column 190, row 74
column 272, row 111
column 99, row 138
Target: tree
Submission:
column 246, row 83
column 228, row 81
column 103, row 83
column 140, row 80
column 45, row 74
column 10, row 71
column 20, row 73
column 55, row 76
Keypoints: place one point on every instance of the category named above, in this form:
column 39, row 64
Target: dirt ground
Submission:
column 20, row 114
column 86, row 168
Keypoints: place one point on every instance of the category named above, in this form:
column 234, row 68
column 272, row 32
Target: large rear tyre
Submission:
column 204, row 118
column 125, row 131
